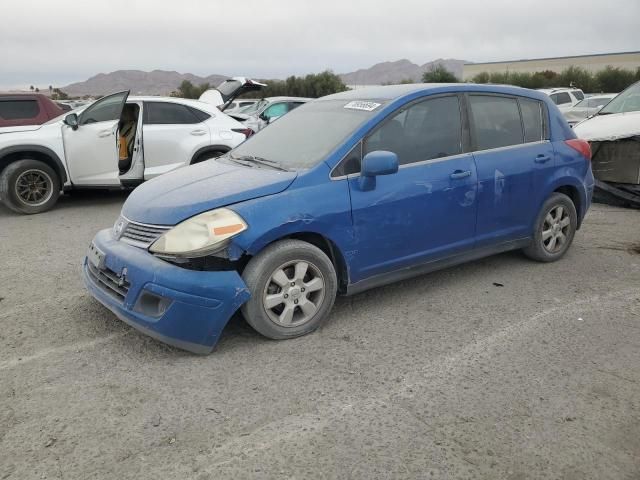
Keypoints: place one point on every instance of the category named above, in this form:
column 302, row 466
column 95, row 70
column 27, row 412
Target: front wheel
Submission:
column 29, row 186
column 293, row 286
column 554, row 229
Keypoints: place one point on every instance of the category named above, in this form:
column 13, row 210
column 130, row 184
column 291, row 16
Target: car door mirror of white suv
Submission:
column 71, row 120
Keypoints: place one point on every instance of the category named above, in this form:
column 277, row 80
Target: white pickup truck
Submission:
column 84, row 149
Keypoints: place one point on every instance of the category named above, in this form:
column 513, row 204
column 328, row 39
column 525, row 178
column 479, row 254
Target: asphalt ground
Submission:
column 502, row 368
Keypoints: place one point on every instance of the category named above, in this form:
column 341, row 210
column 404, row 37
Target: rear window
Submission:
column 532, row 119
column 561, row 98
column 164, row 113
column 18, row 109
column 496, row 121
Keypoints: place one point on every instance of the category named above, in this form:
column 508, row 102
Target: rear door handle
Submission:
column 460, row 174
column 198, row 132
column 542, row 158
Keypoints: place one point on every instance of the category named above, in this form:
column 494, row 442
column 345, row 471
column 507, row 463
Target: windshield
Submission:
column 627, row 101
column 304, row 137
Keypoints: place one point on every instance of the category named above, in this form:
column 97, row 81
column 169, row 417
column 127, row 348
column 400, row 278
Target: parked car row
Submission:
column 116, row 141
column 345, row 193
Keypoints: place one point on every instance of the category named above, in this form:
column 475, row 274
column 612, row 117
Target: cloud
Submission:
column 70, row 40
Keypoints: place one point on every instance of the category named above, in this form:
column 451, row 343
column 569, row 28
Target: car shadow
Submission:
column 79, row 199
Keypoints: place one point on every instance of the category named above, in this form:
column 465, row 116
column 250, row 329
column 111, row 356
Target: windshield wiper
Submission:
column 260, row 161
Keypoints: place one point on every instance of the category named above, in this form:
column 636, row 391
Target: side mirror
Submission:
column 376, row 163
column 71, row 120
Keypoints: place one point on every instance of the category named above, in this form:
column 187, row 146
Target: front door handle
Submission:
column 198, row 132
column 460, row 174
column 104, row 133
column 542, row 158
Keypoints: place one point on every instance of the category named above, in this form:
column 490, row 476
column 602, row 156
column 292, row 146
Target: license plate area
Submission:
column 96, row 256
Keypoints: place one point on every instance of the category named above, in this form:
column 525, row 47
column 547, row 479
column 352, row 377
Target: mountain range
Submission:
column 162, row 82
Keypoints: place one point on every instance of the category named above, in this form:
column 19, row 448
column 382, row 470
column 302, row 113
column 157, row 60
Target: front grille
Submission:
column 109, row 282
column 142, row 235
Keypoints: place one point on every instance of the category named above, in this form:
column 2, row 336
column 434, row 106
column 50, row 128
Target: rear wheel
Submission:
column 29, row 186
column 293, row 286
column 554, row 230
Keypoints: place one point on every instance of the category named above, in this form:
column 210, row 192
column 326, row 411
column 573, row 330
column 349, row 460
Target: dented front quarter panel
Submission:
column 312, row 204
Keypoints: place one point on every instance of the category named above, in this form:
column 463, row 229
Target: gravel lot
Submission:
column 501, row 368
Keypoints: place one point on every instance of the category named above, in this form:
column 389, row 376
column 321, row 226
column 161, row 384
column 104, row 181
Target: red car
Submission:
column 18, row 109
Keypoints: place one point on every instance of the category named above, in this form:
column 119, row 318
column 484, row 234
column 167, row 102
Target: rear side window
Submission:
column 424, row 131
column 532, row 119
column 18, row 109
column 496, row 121
column 200, row 115
column 164, row 113
column 578, row 94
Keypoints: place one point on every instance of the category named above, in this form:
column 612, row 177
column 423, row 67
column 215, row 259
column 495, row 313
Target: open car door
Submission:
column 91, row 145
column 224, row 94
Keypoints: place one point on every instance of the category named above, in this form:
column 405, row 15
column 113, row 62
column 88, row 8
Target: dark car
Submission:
column 345, row 193
column 17, row 109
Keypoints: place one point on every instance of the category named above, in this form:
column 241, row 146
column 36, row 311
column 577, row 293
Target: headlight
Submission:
column 200, row 235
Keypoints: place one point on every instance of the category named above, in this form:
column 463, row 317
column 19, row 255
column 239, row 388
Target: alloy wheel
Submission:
column 34, row 187
column 294, row 293
column 555, row 229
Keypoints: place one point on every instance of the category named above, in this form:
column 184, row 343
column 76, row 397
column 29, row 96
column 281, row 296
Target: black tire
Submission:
column 284, row 255
column 33, row 172
column 540, row 247
column 207, row 156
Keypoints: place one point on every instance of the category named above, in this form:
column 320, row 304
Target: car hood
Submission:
column 176, row 196
column 609, row 127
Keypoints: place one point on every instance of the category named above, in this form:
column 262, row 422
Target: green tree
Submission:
column 482, row 77
column 313, row 85
column 189, row 90
column 59, row 95
column 614, row 79
column 439, row 74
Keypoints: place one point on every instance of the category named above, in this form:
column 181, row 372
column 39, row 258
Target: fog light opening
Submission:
column 151, row 305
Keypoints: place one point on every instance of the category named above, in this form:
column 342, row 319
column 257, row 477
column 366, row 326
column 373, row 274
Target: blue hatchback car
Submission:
column 345, row 193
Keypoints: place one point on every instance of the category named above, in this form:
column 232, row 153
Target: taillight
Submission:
column 581, row 146
column 247, row 132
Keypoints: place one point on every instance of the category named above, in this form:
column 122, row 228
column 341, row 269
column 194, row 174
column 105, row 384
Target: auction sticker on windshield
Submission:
column 361, row 105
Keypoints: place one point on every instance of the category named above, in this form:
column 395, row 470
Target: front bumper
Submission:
column 184, row 308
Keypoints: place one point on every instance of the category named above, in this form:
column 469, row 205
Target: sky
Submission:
column 46, row 42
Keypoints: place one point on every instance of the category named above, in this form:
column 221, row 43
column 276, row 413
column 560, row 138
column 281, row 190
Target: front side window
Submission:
column 164, row 113
column 496, row 121
column 562, row 98
column 532, row 119
column 424, row 131
column 578, row 94
column 104, row 110
column 18, row 109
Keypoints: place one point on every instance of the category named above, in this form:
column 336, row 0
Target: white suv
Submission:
column 116, row 141
column 564, row 97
